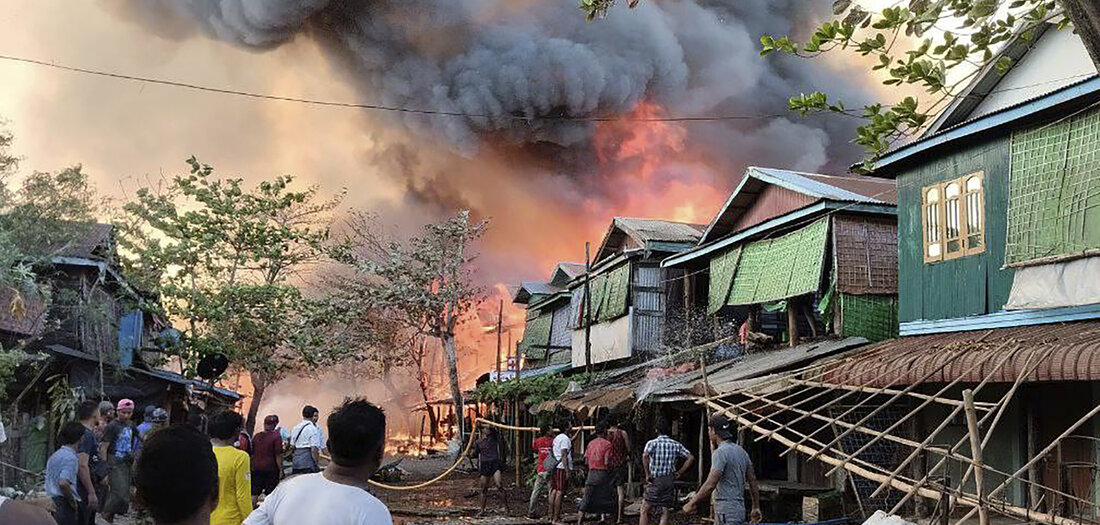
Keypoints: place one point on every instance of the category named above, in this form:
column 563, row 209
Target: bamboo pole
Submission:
column 587, row 310
column 890, row 401
column 949, row 402
column 927, row 402
column 865, row 430
column 1046, row 450
column 856, row 469
column 976, row 454
column 946, row 421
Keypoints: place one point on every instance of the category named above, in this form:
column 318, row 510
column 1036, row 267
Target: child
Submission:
column 61, row 471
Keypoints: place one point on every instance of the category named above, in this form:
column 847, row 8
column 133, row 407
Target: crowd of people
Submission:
column 209, row 471
column 664, row 460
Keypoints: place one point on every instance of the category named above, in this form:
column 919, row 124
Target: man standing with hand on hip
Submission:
column 730, row 470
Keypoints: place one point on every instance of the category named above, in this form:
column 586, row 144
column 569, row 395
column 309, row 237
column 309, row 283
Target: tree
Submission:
column 222, row 259
column 426, row 279
column 910, row 44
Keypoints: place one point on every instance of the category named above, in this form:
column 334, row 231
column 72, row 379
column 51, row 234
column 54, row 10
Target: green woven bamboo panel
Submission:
column 618, row 287
column 775, row 269
column 722, row 269
column 872, row 316
column 536, row 336
column 1054, row 193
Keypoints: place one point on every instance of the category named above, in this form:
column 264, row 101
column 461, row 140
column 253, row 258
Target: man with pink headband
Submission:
column 119, row 440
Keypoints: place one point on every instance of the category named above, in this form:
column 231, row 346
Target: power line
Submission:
column 379, row 107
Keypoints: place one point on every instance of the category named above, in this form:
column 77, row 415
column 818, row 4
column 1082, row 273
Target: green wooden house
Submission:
column 999, row 268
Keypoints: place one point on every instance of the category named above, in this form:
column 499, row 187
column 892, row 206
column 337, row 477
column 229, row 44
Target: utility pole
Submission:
column 587, row 311
column 500, row 323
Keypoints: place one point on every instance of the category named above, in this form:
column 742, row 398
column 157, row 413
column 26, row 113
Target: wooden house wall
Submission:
column 773, row 201
column 967, row 286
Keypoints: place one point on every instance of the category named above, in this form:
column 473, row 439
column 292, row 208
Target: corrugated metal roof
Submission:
column 1062, row 352
column 165, row 375
column 87, row 241
column 644, row 233
column 571, row 270
column 660, row 230
column 853, row 188
column 527, row 289
column 846, row 188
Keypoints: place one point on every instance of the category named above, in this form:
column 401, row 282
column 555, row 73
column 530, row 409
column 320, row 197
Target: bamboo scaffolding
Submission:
column 865, row 430
column 764, row 418
column 864, row 388
column 891, row 400
column 832, row 401
column 1016, row 476
column 947, row 420
column 927, row 402
column 975, row 454
column 899, row 484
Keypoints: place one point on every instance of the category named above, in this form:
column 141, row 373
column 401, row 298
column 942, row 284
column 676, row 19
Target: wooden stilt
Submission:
column 975, row 454
column 792, row 323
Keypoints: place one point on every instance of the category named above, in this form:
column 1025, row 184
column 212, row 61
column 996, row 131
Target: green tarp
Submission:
column 775, row 269
column 1054, row 191
column 722, row 269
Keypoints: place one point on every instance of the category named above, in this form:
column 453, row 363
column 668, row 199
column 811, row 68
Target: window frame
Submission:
column 961, row 204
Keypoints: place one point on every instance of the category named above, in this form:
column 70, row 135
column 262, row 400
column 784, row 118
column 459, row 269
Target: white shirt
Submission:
column 310, row 498
column 3, row 435
column 307, row 434
column 562, row 447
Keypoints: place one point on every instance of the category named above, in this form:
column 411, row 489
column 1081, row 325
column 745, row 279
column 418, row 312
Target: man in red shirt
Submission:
column 267, row 458
column 620, row 456
column 599, row 488
column 542, row 446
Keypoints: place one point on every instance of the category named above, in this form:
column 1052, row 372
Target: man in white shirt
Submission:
column 337, row 496
column 308, row 441
column 559, row 481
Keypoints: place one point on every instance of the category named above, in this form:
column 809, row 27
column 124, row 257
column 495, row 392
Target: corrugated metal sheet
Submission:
column 88, row 242
column 866, row 254
column 646, row 333
column 1064, row 352
column 660, row 230
column 813, row 186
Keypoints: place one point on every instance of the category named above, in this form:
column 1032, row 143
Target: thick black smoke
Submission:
column 502, row 59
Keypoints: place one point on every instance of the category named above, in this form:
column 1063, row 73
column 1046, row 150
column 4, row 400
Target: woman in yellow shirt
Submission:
column 234, row 471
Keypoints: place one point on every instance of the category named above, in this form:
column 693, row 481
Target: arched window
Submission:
column 953, row 218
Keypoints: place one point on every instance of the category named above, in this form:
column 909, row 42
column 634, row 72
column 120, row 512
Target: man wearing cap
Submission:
column 730, row 470
column 267, row 458
column 118, row 446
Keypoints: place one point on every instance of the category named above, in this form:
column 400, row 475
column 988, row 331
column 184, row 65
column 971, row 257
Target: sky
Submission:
column 546, row 188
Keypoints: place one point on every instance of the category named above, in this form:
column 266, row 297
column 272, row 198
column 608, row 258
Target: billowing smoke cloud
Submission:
column 510, row 62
